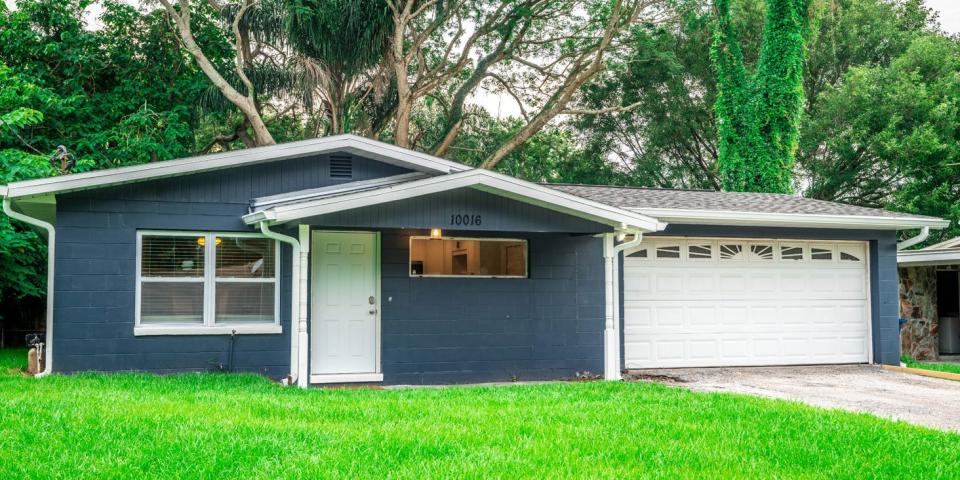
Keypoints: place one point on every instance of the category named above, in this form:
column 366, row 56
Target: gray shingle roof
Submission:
column 653, row 198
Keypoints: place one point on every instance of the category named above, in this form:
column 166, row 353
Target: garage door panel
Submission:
column 668, row 316
column 686, row 283
column 754, row 309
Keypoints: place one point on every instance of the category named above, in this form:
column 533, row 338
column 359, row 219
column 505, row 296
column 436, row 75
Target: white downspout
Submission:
column 51, row 244
column 304, row 306
column 924, row 233
column 295, row 297
column 611, row 270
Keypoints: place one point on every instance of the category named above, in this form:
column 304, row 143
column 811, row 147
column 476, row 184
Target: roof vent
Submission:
column 341, row 166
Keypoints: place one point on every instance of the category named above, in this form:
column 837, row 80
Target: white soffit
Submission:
column 480, row 179
column 765, row 219
column 365, row 147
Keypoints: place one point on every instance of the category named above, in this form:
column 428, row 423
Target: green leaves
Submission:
column 122, row 94
column 889, row 136
column 758, row 114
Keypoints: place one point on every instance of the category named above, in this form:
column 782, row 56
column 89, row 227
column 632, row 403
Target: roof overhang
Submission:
column 205, row 163
column 920, row 258
column 796, row 220
column 479, row 179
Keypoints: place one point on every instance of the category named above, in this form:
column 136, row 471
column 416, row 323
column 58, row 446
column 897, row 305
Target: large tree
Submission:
column 118, row 95
column 432, row 52
column 669, row 140
column 889, row 136
column 758, row 113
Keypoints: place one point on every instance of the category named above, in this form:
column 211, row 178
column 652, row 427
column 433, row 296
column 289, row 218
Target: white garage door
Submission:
column 695, row 302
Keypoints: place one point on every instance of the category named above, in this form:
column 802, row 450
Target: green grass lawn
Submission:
column 242, row 426
column 940, row 367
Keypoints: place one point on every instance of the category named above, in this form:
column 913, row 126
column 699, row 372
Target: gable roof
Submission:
column 742, row 208
column 953, row 243
column 366, row 147
column 323, row 201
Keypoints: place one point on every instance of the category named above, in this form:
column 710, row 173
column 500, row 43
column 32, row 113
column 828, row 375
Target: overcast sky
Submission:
column 949, row 11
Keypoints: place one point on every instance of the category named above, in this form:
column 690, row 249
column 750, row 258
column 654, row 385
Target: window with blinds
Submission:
column 206, row 279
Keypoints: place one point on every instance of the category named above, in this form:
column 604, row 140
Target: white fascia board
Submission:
column 737, row 218
column 485, row 180
column 347, row 143
column 918, row 258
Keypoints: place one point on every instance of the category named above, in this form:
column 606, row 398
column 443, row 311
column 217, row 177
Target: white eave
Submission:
column 797, row 220
column 341, row 143
column 479, row 179
column 918, row 258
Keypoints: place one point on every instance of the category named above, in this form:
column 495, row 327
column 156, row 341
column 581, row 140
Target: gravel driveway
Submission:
column 924, row 401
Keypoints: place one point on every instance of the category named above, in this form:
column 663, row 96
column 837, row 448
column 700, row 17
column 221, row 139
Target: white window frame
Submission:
column 209, row 280
column 526, row 256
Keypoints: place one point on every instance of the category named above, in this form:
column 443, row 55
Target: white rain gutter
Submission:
column 924, row 233
column 611, row 270
column 51, row 244
column 298, row 307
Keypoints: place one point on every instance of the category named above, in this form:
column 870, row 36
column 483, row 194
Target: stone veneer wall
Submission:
column 918, row 306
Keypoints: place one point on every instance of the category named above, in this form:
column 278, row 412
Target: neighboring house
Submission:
column 343, row 259
column 930, row 300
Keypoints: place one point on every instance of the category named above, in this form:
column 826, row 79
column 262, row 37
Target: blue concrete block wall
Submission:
column 96, row 266
column 884, row 288
column 453, row 330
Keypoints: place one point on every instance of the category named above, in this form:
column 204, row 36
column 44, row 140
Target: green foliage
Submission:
column 670, row 139
column 758, row 114
column 347, row 40
column 126, row 90
column 903, row 151
column 243, row 426
column 21, row 252
column 120, row 95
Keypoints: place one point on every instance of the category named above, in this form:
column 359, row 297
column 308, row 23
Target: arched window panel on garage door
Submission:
column 852, row 252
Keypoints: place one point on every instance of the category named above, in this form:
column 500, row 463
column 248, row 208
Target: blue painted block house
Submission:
column 344, row 260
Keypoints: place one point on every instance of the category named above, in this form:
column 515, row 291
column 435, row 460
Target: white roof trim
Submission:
column 346, row 143
column 263, row 202
column 741, row 218
column 952, row 243
column 484, row 180
column 924, row 257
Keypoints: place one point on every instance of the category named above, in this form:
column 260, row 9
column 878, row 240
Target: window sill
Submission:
column 143, row 331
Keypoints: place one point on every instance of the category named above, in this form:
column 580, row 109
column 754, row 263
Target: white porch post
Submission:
column 303, row 285
column 611, row 331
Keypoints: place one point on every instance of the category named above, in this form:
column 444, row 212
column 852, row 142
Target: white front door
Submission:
column 711, row 302
column 343, row 337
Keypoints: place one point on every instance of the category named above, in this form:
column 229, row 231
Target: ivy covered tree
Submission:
column 758, row 113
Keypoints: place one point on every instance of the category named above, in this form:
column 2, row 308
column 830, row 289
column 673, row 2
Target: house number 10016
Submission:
column 464, row 219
